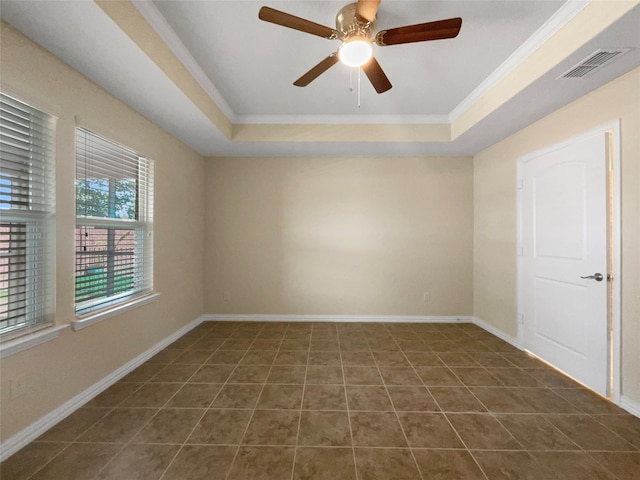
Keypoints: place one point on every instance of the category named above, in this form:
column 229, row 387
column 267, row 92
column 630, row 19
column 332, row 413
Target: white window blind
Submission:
column 27, row 205
column 114, row 199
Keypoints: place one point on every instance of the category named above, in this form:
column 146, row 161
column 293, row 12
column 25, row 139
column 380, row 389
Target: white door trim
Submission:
column 613, row 129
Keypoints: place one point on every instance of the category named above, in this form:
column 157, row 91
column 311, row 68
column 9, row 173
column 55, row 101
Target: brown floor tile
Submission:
column 324, row 358
column 399, row 376
column 170, row 425
column 588, row 402
column 534, row 432
column 438, row 377
column 627, row 426
column 74, row 425
column 324, row 345
column 447, row 465
column 457, row 359
column 625, row 465
column 482, row 431
column 544, row 400
column 362, row 376
column 589, row 434
column 118, row 426
column 212, row 374
column 293, row 374
column 376, row 429
column 139, row 462
column 280, row 397
column 262, row 463
column 578, row 465
column 175, row 373
column 114, row 395
column 506, row 465
column 413, row 398
column 249, row 374
column 491, row 359
column 291, row 357
column 385, row 464
column 514, row 377
column 24, row 463
column 456, row 399
column 237, row 396
column 259, row 357
column 152, row 395
column 476, row 377
column 552, row 379
column 262, row 343
column 324, row 375
column 524, row 360
column 201, row 462
column 295, row 344
column 324, row 397
column 220, row 427
column 194, row 395
column 324, row 429
column 424, row 359
column 502, row 400
column 368, row 398
column 195, row 357
column 226, row 357
column 78, row 462
column 358, row 359
column 353, row 345
column 324, row 464
column 429, row 430
column 272, row 427
column 390, row 359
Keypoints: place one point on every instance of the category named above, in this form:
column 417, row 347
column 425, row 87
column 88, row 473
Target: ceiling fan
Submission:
column 354, row 28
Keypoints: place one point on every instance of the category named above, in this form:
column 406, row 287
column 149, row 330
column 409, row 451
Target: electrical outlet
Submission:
column 226, row 295
column 426, row 297
column 18, row 386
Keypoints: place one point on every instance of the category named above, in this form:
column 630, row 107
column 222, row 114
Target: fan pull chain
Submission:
column 359, row 88
column 351, row 79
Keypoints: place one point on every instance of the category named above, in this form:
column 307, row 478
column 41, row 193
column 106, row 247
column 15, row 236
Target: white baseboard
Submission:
column 630, row 406
column 497, row 332
column 233, row 317
column 33, row 431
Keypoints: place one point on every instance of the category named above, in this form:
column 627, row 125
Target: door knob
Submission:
column 598, row 277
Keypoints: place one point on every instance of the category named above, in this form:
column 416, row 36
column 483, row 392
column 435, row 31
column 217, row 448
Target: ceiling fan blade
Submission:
column 316, row 71
column 366, row 10
column 378, row 79
column 291, row 21
column 420, row 33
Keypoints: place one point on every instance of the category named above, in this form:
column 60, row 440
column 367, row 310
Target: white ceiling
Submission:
column 247, row 68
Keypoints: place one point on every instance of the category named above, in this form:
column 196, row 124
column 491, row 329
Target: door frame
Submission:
column 612, row 130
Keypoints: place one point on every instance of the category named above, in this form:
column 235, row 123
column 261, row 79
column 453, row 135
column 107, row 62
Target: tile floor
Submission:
column 344, row 401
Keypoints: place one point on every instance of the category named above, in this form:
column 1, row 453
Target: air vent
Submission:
column 593, row 62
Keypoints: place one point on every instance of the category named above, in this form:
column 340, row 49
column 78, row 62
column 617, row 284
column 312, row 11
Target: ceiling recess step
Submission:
column 593, row 62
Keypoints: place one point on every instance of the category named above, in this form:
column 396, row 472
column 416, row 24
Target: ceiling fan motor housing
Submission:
column 348, row 25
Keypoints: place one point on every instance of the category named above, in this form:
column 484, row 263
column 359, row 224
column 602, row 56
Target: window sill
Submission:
column 95, row 317
column 28, row 341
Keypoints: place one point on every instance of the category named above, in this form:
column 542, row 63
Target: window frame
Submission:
column 29, row 137
column 96, row 308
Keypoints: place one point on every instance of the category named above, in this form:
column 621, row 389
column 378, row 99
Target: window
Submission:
column 27, row 152
column 114, row 187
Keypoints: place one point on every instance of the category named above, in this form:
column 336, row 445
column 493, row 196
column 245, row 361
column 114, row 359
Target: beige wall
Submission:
column 495, row 211
column 60, row 369
column 331, row 236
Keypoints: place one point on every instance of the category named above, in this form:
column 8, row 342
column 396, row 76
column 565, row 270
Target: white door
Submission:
column 564, row 239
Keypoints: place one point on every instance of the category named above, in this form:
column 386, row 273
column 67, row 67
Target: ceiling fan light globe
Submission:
column 355, row 53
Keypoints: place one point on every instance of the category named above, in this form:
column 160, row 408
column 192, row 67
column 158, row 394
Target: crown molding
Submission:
column 559, row 19
column 157, row 21
column 341, row 119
